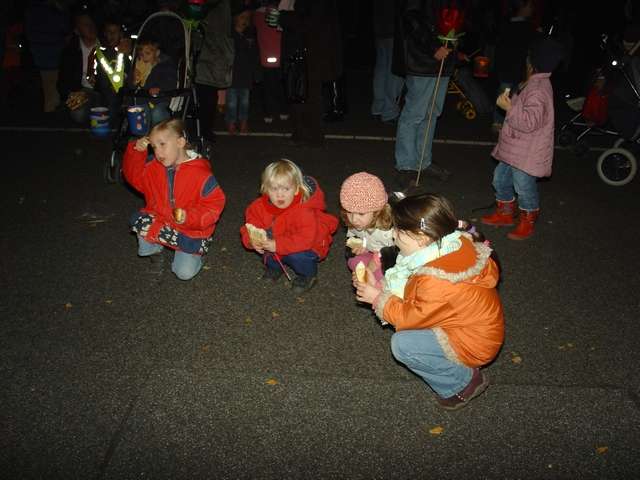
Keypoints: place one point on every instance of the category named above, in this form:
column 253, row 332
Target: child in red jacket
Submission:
column 183, row 198
column 296, row 229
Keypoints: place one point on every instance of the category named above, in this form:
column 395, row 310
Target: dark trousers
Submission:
column 305, row 264
column 208, row 101
column 307, row 117
column 273, row 92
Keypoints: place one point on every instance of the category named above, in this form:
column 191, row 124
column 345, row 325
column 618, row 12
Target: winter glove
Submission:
column 141, row 223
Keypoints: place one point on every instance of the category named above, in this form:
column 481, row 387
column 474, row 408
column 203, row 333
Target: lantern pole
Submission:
column 433, row 104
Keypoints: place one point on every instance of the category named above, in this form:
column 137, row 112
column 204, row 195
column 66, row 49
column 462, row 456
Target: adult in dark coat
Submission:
column 312, row 25
column 417, row 56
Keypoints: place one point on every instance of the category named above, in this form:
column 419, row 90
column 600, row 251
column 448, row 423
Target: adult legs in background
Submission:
column 231, row 109
column 307, row 117
column 51, row 97
column 386, row 86
column 413, row 120
column 420, row 351
column 243, row 108
column 208, row 101
column 273, row 101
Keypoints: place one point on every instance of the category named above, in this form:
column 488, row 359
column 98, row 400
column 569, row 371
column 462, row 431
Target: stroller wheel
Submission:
column 470, row 113
column 459, row 105
column 567, row 138
column 113, row 167
column 617, row 166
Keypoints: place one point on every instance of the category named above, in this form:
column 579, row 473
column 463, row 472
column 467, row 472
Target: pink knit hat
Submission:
column 363, row 192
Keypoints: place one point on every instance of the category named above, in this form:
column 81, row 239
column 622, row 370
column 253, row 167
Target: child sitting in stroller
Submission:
column 154, row 72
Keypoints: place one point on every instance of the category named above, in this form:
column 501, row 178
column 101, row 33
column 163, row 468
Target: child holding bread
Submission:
column 288, row 225
column 441, row 298
column 366, row 213
column 183, row 200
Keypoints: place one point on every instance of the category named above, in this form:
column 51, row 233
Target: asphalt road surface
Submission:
column 112, row 368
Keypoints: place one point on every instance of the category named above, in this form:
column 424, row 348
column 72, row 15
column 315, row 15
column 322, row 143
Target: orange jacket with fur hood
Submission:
column 455, row 296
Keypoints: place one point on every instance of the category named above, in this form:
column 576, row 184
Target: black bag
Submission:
column 296, row 77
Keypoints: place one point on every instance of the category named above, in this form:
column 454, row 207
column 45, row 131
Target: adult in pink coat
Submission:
column 525, row 146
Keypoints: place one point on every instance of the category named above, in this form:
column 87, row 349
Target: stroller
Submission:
column 617, row 166
column 176, row 42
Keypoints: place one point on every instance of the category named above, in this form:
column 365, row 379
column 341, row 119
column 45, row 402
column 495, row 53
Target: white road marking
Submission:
column 330, row 136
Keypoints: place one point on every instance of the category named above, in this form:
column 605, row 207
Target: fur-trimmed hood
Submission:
column 466, row 264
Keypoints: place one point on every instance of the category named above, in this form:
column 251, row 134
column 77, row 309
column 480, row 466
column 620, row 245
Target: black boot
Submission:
column 335, row 100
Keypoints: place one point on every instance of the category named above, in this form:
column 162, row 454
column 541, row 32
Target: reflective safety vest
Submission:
column 114, row 68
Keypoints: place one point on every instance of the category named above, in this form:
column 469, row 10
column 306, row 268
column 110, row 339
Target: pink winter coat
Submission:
column 526, row 138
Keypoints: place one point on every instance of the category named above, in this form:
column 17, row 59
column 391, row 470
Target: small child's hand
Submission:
column 154, row 91
column 269, row 245
column 365, row 292
column 504, row 102
column 142, row 144
column 258, row 247
column 358, row 250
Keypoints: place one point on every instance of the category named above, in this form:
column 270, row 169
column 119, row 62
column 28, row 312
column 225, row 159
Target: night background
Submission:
column 112, row 368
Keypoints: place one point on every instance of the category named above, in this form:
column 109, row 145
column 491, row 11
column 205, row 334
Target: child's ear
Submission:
column 182, row 142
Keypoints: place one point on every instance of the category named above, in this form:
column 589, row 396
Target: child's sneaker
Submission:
column 272, row 274
column 244, row 127
column 268, row 120
column 231, row 128
column 303, row 284
column 477, row 385
column 284, row 116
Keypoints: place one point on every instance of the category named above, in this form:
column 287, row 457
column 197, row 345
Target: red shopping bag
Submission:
column 595, row 106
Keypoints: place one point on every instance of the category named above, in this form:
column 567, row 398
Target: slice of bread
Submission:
column 257, row 235
column 361, row 272
column 354, row 242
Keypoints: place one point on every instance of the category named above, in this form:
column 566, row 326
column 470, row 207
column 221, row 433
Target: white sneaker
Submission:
column 268, row 119
column 284, row 116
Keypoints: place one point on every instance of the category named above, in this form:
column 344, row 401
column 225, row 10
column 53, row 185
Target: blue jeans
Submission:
column 237, row 108
column 412, row 124
column 185, row 265
column 386, row 86
column 508, row 180
column 420, row 351
column 305, row 264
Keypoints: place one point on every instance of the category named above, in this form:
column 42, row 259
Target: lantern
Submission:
column 449, row 22
column 481, row 67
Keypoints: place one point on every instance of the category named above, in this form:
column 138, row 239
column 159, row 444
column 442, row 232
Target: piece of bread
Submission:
column 257, row 235
column 361, row 272
column 354, row 242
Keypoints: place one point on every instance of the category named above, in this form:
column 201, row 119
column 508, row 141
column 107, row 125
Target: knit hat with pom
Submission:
column 363, row 192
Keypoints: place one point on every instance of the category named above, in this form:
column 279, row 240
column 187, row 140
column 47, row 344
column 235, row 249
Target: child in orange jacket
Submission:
column 292, row 224
column 441, row 298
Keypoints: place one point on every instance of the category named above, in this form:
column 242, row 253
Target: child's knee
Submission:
column 187, row 268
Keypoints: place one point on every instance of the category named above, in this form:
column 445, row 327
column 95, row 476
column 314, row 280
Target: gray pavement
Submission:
column 112, row 368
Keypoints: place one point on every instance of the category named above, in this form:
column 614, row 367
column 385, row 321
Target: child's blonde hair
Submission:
column 285, row 169
column 382, row 219
column 174, row 125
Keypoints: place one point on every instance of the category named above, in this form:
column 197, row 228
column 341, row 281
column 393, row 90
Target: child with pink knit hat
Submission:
column 366, row 213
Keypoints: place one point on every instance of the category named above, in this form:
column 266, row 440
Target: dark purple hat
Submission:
column 545, row 54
